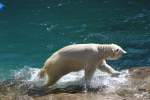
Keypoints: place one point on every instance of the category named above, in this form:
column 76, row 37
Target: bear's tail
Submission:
column 41, row 74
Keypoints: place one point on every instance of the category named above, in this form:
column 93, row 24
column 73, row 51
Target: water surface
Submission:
column 31, row 30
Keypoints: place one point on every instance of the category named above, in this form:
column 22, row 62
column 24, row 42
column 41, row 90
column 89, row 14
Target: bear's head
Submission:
column 114, row 52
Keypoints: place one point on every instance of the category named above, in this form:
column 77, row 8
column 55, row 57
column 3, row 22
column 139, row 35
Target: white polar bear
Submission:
column 81, row 56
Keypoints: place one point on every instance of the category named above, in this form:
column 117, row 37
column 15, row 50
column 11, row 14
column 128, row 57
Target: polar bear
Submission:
column 80, row 56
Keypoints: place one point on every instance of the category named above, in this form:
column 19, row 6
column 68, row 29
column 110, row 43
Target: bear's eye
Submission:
column 117, row 50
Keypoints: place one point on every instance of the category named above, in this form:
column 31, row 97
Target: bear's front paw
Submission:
column 115, row 74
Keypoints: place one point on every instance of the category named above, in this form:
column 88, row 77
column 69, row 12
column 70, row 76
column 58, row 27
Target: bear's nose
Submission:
column 124, row 52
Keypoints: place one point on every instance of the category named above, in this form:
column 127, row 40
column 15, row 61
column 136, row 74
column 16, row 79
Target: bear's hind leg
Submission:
column 53, row 77
column 50, row 82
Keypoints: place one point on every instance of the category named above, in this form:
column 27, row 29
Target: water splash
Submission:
column 74, row 78
column 29, row 75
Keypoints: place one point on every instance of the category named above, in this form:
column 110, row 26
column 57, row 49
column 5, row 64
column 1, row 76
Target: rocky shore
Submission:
column 137, row 87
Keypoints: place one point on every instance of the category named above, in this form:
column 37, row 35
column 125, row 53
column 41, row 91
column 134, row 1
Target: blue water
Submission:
column 31, row 30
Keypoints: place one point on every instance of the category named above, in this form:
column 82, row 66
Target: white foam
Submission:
column 29, row 75
column 99, row 78
column 73, row 76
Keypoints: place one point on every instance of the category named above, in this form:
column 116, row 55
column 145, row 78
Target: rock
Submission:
column 140, row 78
column 140, row 73
column 137, row 87
column 125, row 92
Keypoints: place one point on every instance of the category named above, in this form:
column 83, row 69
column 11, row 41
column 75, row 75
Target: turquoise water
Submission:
column 31, row 30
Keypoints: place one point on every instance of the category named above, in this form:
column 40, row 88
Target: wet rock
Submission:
column 137, row 87
column 125, row 92
column 140, row 78
column 14, row 87
column 55, row 89
column 140, row 73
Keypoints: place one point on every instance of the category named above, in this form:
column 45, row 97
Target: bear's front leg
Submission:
column 107, row 68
